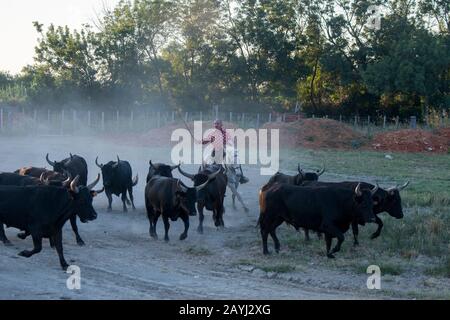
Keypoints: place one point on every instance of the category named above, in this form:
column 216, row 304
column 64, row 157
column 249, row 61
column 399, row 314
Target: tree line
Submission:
column 365, row 57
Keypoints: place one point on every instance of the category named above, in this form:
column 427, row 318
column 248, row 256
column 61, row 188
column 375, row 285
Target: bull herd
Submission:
column 39, row 202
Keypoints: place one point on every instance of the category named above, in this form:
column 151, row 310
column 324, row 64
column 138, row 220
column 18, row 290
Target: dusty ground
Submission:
column 120, row 260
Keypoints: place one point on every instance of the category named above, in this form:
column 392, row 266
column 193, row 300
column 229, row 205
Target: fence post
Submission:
column 313, row 116
column 62, row 121
column 89, row 118
column 397, row 121
column 340, row 118
column 243, row 118
column 131, row 119
column 270, row 117
column 201, row 115
column 1, row 119
column 384, row 122
column 257, row 121
column 368, row 126
column 103, row 121
column 356, row 121
column 186, row 116
column 74, row 119
column 231, row 116
column 413, row 122
column 284, row 117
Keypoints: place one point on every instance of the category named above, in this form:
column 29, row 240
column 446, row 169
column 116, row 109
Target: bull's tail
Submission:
column 262, row 204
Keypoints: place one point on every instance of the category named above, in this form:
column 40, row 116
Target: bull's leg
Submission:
column 3, row 237
column 201, row 217
column 328, row 240
column 166, row 227
column 355, row 231
column 186, row 227
column 73, row 223
column 109, row 196
column 130, row 192
column 37, row 242
column 264, row 236
column 52, row 241
column 307, row 238
column 273, row 234
column 153, row 222
column 376, row 234
column 124, row 201
column 59, row 249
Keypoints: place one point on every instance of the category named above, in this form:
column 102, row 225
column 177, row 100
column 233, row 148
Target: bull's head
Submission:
column 363, row 203
column 308, row 176
column 109, row 171
column 187, row 197
column 392, row 203
column 58, row 166
column 160, row 169
column 82, row 199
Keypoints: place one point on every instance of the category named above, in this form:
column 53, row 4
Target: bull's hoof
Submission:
column 266, row 252
column 200, row 230
column 80, row 242
column 319, row 235
column 154, row 236
column 277, row 250
column 25, row 253
column 330, row 256
column 64, row 266
column 374, row 236
column 183, row 236
column 166, row 239
column 7, row 243
column 22, row 235
column 355, row 243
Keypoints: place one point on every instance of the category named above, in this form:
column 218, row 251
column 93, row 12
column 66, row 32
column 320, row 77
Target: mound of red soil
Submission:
column 317, row 133
column 410, row 140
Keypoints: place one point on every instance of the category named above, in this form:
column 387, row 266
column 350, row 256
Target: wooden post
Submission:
column 340, row 118
column 368, row 125
column 131, row 119
column 62, row 121
column 173, row 116
column 384, row 122
column 186, row 116
column 1, row 119
column 270, row 117
column 231, row 116
column 243, row 118
column 313, row 116
column 201, row 115
column 397, row 121
column 257, row 121
column 284, row 117
column 103, row 121
column 413, row 122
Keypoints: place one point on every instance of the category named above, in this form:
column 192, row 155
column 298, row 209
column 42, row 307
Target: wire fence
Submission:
column 64, row 122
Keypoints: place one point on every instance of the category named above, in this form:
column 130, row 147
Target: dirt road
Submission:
column 120, row 261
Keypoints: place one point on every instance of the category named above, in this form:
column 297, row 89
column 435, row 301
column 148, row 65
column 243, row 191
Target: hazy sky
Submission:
column 17, row 34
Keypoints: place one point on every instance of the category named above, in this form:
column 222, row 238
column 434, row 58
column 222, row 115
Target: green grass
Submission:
column 441, row 270
column 198, row 251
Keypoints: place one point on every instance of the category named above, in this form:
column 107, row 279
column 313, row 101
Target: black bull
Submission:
column 117, row 180
column 42, row 211
column 385, row 200
column 212, row 196
column 330, row 210
column 76, row 166
column 172, row 199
